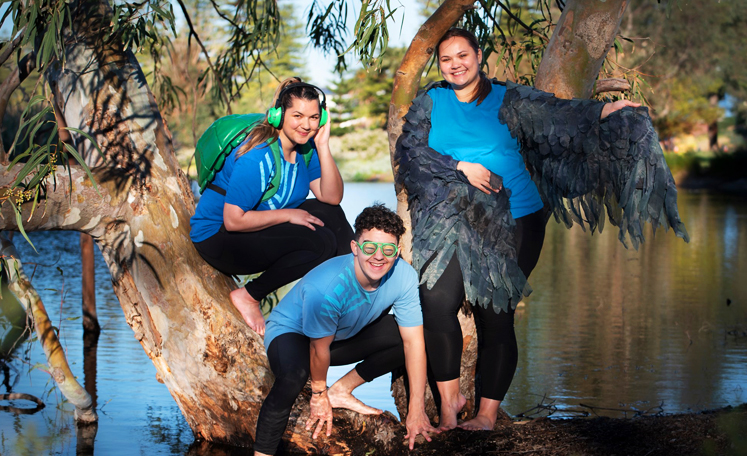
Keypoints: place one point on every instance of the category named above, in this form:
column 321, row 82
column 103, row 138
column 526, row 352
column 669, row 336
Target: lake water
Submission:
column 605, row 327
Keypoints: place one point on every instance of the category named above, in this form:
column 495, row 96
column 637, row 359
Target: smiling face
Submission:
column 369, row 269
column 300, row 121
column 459, row 64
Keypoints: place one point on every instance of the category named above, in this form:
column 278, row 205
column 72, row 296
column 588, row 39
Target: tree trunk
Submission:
column 713, row 126
column 578, row 46
column 88, row 285
column 570, row 66
column 177, row 305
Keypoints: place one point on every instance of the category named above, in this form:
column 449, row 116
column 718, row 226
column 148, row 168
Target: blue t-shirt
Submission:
column 472, row 133
column 329, row 300
column 245, row 181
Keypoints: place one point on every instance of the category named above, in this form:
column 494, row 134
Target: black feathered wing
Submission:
column 582, row 165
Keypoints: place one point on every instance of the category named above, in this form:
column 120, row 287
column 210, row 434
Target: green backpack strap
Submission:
column 306, row 151
column 272, row 187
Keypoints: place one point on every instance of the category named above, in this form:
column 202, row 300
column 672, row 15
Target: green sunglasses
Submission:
column 369, row 248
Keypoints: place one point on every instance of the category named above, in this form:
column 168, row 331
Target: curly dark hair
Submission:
column 381, row 218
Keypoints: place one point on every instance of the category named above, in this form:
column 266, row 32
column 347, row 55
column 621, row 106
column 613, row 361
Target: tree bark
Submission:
column 578, row 46
column 88, row 285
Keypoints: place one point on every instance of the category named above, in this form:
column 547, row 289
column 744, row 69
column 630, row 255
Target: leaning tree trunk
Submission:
column 138, row 213
column 570, row 67
column 576, row 51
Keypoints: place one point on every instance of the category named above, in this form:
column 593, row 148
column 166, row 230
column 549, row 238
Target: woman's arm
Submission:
column 609, row 108
column 329, row 188
column 236, row 219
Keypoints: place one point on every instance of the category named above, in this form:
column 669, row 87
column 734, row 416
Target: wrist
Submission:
column 320, row 391
column 416, row 406
column 318, row 385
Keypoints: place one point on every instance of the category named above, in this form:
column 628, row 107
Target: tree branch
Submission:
column 193, row 32
column 20, row 285
column 611, row 85
column 512, row 16
column 79, row 209
column 8, row 86
column 12, row 46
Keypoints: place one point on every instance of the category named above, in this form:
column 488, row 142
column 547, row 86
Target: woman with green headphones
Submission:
column 241, row 232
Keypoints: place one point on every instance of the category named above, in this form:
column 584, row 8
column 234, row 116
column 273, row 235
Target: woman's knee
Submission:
column 439, row 310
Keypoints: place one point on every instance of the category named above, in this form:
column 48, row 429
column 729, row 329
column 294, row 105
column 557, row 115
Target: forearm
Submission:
column 331, row 186
column 236, row 220
column 319, row 365
column 416, row 365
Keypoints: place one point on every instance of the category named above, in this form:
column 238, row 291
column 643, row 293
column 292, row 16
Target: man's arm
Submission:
column 415, row 363
column 320, row 408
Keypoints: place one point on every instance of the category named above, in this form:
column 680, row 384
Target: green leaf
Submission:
column 40, row 366
column 19, row 222
column 83, row 165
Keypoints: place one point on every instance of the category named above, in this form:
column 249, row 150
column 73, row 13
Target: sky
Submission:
column 402, row 29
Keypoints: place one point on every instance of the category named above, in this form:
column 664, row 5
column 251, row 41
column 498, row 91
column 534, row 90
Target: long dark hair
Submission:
column 263, row 130
column 484, row 87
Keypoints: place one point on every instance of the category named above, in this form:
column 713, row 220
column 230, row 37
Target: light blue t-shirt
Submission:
column 472, row 133
column 329, row 300
column 245, row 181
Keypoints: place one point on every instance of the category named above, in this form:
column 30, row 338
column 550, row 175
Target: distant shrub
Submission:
column 688, row 162
column 341, row 131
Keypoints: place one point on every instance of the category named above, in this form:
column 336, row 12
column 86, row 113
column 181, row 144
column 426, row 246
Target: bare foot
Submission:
column 248, row 307
column 478, row 423
column 449, row 412
column 339, row 398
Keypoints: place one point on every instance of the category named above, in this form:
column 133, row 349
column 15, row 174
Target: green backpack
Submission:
column 222, row 137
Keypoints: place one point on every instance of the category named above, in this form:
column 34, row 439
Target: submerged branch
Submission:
column 20, row 285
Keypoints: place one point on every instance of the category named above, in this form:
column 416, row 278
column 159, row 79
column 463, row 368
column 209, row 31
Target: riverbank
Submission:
column 719, row 432
column 723, row 172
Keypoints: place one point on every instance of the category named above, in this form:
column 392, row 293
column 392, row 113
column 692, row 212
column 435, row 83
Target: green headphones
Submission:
column 275, row 114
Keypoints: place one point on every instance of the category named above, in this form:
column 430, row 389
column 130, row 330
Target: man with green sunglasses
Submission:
column 339, row 314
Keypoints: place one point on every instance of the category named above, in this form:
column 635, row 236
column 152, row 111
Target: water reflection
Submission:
column 614, row 327
column 606, row 327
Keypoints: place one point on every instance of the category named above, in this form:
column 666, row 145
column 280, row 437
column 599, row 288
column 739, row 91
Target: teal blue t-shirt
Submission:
column 245, row 181
column 329, row 300
column 472, row 133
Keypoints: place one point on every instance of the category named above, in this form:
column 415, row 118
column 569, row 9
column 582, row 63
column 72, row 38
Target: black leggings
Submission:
column 378, row 345
column 285, row 252
column 497, row 350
